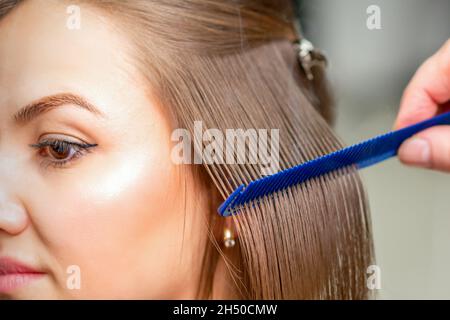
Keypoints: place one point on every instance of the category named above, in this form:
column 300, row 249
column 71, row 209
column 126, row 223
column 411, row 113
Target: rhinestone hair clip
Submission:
column 309, row 56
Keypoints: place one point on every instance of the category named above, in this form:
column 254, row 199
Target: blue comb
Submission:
column 362, row 155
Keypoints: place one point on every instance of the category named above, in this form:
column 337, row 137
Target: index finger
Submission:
column 427, row 91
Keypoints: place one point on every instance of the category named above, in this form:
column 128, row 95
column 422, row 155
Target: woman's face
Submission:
column 105, row 209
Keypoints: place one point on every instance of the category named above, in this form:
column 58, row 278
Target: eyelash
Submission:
column 79, row 150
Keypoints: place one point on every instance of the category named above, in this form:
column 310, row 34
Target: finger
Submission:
column 428, row 149
column 429, row 88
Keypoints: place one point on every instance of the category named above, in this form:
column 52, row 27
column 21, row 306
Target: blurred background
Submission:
column 369, row 70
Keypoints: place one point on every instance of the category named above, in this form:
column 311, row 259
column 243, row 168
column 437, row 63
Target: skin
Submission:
column 427, row 94
column 119, row 211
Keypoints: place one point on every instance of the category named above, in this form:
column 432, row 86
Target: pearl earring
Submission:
column 228, row 238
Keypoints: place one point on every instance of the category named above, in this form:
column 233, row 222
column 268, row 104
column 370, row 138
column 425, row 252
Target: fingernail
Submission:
column 415, row 151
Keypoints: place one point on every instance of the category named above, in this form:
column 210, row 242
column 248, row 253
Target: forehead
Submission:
column 41, row 51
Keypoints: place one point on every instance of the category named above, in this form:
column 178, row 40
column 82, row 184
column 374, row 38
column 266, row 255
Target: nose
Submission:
column 13, row 217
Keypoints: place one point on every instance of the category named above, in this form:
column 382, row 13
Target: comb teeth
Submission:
column 361, row 155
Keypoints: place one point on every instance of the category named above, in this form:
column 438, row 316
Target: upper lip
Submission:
column 11, row 266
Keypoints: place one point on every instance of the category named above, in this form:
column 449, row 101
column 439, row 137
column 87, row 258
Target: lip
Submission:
column 14, row 274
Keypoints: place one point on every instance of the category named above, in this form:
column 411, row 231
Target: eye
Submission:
column 60, row 153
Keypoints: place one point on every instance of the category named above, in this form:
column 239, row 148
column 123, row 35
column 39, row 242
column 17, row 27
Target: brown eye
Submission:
column 60, row 151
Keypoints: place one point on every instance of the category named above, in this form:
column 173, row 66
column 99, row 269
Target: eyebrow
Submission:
column 46, row 104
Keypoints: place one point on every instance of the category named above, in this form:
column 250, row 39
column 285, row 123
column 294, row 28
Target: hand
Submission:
column 427, row 94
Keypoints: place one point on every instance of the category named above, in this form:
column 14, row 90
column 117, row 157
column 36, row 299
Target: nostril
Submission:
column 13, row 217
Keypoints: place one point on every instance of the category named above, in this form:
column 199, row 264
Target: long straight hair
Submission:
column 231, row 64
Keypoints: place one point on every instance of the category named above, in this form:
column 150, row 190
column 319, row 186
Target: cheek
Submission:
column 119, row 219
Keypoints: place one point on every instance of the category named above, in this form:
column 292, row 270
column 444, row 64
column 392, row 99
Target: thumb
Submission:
column 428, row 149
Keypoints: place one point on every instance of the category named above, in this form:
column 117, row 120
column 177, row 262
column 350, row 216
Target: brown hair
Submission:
column 231, row 64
